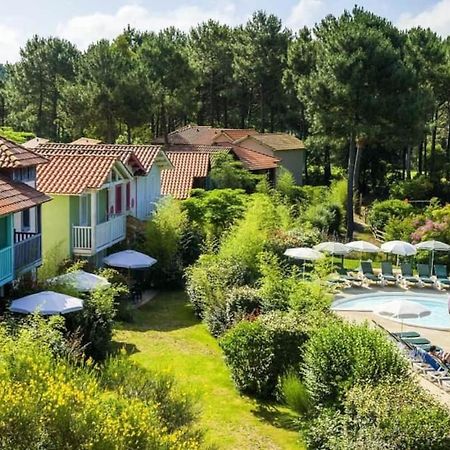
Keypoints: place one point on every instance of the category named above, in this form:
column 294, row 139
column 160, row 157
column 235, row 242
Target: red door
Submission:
column 118, row 199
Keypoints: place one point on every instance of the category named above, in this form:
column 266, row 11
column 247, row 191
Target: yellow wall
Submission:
column 56, row 227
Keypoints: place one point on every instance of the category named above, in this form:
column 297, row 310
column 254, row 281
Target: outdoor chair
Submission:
column 407, row 334
column 424, row 275
column 441, row 274
column 407, row 276
column 439, row 372
column 367, row 272
column 387, row 275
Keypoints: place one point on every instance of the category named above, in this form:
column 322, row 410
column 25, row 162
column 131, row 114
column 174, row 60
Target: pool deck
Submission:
column 438, row 337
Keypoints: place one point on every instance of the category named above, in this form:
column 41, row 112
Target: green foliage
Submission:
column 215, row 211
column 400, row 229
column 340, row 354
column 19, row 137
column 227, row 173
column 392, row 415
column 52, row 262
column 382, row 211
column 294, row 393
column 419, row 188
column 326, row 217
column 164, row 240
column 258, row 352
column 48, row 403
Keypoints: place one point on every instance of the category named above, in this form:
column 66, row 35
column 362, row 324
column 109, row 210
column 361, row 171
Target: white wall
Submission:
column 148, row 192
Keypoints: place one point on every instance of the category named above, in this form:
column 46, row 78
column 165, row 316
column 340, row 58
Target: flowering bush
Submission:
column 45, row 403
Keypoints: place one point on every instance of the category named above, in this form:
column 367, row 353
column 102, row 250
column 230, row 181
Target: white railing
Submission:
column 106, row 234
column 6, row 265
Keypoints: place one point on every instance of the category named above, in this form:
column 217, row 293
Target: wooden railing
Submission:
column 106, row 234
column 27, row 251
column 20, row 236
column 6, row 265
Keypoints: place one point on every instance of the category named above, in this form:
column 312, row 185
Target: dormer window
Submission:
column 25, row 174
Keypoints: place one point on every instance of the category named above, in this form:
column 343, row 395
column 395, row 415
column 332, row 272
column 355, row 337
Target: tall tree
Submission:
column 259, row 62
column 358, row 86
column 34, row 85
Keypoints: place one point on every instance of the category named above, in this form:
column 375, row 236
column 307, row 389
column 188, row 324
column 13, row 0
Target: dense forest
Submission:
column 366, row 96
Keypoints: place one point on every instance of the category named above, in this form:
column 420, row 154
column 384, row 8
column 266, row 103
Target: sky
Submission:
column 86, row 21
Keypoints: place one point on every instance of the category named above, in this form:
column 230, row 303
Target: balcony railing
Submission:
column 27, row 251
column 6, row 265
column 90, row 240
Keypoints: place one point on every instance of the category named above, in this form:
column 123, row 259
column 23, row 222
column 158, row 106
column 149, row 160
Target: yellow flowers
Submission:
column 46, row 402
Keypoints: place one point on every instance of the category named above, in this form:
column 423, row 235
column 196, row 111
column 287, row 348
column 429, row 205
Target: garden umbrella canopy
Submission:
column 437, row 246
column 400, row 248
column 129, row 259
column 304, row 253
column 402, row 309
column 362, row 246
column 335, row 248
column 81, row 280
column 46, row 303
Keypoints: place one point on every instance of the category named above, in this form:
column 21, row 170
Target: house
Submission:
column 20, row 212
column 286, row 150
column 286, row 147
column 192, row 164
column 94, row 188
column 145, row 162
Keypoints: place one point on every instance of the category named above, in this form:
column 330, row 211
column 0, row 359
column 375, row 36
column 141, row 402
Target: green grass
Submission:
column 167, row 336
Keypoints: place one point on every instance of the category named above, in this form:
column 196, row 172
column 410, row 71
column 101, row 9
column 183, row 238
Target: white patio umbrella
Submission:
column 333, row 248
column 362, row 246
column 82, row 281
column 399, row 248
column 129, row 259
column 46, row 303
column 433, row 246
column 402, row 309
column 304, row 254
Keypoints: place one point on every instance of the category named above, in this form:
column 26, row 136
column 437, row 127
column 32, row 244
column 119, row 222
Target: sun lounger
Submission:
column 441, row 274
column 407, row 276
column 407, row 334
column 439, row 372
column 416, row 340
column 367, row 272
column 424, row 275
column 387, row 276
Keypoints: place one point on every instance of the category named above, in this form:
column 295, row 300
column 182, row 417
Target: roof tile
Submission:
column 15, row 156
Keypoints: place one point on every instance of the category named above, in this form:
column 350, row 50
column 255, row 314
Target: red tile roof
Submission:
column 73, row 174
column 234, row 133
column 16, row 196
column 144, row 154
column 86, row 141
column 253, row 160
column 277, row 141
column 15, row 156
column 179, row 181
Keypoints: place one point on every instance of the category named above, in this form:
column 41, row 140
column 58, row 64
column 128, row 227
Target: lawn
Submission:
column 166, row 335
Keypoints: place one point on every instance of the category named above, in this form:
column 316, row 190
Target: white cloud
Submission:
column 83, row 30
column 306, row 13
column 436, row 17
column 9, row 44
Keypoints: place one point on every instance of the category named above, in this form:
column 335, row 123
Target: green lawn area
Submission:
column 167, row 336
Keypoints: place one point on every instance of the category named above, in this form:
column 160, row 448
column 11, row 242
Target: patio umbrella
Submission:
column 433, row 246
column 362, row 246
column 46, row 303
column 402, row 309
column 81, row 280
column 304, row 254
column 399, row 248
column 129, row 259
column 334, row 248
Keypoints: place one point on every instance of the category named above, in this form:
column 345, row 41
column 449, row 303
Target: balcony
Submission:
column 87, row 241
column 6, row 265
column 27, row 251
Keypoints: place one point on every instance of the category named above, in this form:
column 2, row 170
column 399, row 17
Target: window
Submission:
column 25, row 174
column 26, row 220
column 128, row 196
column 119, row 199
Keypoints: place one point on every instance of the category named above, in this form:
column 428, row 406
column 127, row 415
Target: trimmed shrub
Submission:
column 340, row 355
column 390, row 416
column 259, row 351
column 381, row 212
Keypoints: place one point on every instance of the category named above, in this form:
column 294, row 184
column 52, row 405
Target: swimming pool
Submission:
column 439, row 318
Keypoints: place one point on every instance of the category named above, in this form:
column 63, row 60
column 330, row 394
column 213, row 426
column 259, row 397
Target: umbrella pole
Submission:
column 432, row 262
column 304, row 269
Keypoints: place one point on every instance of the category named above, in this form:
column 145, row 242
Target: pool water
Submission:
column 438, row 305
